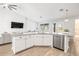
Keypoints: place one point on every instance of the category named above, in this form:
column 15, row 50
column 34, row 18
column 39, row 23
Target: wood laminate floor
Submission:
column 6, row 50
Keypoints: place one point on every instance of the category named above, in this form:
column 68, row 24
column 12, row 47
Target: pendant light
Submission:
column 66, row 12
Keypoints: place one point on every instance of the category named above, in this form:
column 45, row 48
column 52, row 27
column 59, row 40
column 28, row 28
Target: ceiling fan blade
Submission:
column 9, row 8
column 13, row 5
column 14, row 8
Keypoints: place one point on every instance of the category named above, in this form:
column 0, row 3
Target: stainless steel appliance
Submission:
column 58, row 41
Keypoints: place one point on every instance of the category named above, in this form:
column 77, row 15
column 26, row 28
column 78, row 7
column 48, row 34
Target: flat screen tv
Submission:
column 16, row 25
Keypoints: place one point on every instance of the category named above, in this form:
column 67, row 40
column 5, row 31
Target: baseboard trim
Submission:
column 22, row 50
column 5, row 43
column 58, row 48
column 41, row 46
column 31, row 47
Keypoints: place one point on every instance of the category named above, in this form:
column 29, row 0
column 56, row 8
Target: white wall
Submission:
column 6, row 17
column 30, row 25
column 18, row 18
column 67, row 25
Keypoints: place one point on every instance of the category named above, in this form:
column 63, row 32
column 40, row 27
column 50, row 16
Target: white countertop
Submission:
column 23, row 34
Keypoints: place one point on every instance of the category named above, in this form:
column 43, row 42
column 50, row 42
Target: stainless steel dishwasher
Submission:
column 58, row 41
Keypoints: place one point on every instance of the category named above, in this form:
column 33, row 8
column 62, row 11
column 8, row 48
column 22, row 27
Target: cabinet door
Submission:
column 35, row 39
column 7, row 38
column 19, row 44
column 28, row 41
column 1, row 40
column 47, row 40
column 43, row 40
column 40, row 40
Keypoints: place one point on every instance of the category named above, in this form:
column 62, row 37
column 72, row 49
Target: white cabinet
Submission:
column 47, row 40
column 19, row 43
column 38, row 40
column 5, row 38
column 43, row 40
column 22, row 42
column 1, row 40
column 28, row 41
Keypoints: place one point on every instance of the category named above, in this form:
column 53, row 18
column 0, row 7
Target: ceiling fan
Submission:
column 9, row 6
column 13, row 7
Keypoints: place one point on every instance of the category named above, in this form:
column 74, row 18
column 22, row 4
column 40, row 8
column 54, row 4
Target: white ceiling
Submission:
column 48, row 10
column 51, row 9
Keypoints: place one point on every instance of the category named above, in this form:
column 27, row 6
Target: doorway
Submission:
column 76, row 37
column 77, row 28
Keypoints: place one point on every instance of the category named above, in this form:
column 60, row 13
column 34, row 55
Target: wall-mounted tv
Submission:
column 16, row 25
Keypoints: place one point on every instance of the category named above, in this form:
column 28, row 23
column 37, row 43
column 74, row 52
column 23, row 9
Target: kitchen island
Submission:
column 27, row 40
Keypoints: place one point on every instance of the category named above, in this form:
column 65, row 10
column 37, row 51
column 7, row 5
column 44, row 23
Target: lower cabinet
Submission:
column 28, row 41
column 43, row 40
column 38, row 40
column 23, row 42
column 47, row 40
column 19, row 44
column 1, row 40
column 5, row 39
